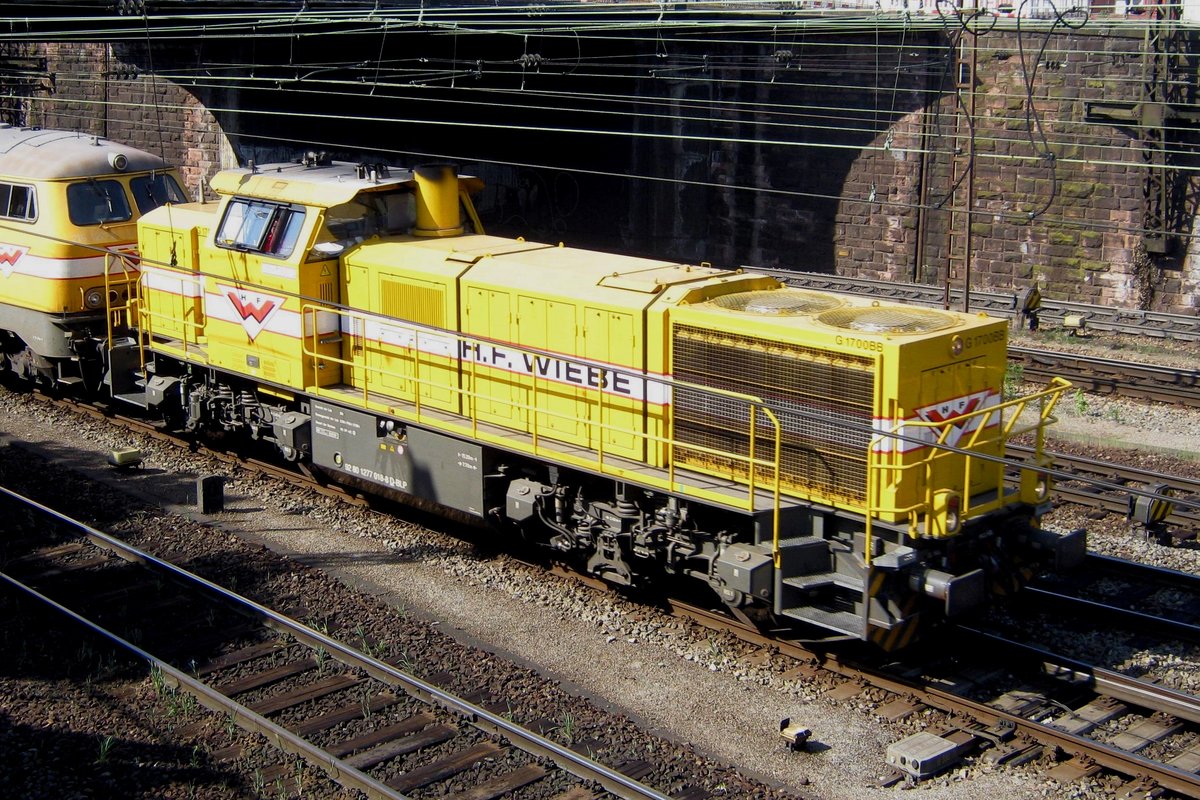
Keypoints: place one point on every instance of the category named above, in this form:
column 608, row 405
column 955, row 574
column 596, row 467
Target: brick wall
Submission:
column 104, row 90
column 1064, row 216
column 881, row 188
column 877, row 187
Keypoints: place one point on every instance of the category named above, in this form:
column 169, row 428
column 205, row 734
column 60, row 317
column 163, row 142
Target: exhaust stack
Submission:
column 438, row 211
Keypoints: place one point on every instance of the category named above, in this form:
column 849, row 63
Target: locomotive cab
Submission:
column 69, row 204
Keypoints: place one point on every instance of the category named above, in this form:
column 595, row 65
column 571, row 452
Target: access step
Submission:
column 845, row 621
column 139, row 399
column 821, row 580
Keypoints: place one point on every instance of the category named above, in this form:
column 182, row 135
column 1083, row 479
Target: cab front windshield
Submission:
column 99, row 201
column 152, row 190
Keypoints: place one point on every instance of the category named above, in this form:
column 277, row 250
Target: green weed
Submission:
column 106, row 746
column 158, row 680
column 1014, row 376
column 566, row 726
column 1081, row 402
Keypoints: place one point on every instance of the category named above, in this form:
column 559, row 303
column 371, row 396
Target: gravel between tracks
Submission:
column 676, row 679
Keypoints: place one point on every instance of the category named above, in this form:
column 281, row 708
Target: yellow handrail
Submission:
column 470, row 397
column 992, row 418
column 146, row 316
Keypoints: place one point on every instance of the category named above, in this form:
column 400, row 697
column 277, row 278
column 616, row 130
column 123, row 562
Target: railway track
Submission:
column 363, row 720
column 1106, row 485
column 1006, row 740
column 1131, row 322
column 1008, row 703
column 1152, row 382
column 1163, row 602
column 1103, row 718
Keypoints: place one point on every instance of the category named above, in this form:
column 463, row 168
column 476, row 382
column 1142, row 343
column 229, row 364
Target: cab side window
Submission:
column 97, row 202
column 17, row 202
column 255, row 226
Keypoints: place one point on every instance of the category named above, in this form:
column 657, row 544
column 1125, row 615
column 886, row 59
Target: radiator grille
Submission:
column 824, row 402
column 421, row 304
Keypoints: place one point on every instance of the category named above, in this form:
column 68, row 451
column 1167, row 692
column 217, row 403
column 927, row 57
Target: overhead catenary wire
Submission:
column 431, row 74
column 631, row 23
column 464, row 158
column 567, row 17
column 762, row 116
column 611, row 132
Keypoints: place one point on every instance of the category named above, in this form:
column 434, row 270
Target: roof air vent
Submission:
column 778, row 302
column 887, row 319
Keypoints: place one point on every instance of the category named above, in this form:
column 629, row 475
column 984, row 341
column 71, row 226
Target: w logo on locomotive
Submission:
column 942, row 417
column 127, row 254
column 949, row 409
column 252, row 309
column 10, row 254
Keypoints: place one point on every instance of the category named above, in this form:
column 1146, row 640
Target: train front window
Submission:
column 97, row 202
column 259, row 227
column 151, row 191
column 17, row 202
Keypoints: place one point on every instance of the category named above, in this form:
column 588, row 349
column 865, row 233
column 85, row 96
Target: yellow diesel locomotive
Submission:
column 830, row 460
column 69, row 205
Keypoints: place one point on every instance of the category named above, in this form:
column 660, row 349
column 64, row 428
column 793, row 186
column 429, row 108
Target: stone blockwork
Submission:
column 914, row 175
column 106, row 90
column 1054, row 199
column 892, row 153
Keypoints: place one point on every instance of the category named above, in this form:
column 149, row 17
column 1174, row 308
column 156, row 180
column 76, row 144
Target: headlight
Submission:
column 1036, row 486
column 953, row 513
column 945, row 516
column 94, row 297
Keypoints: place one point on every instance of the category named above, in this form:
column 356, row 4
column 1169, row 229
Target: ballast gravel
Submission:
column 677, row 679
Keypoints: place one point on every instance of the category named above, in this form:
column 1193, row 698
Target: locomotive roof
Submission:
column 42, row 154
column 323, row 185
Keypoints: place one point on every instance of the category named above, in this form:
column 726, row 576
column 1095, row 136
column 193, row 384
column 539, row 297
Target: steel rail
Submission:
column 1090, row 470
column 1156, row 382
column 1117, row 505
column 1143, row 576
column 1082, row 606
column 1109, row 683
column 1116, row 565
column 247, row 720
column 578, row 765
column 1109, row 469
